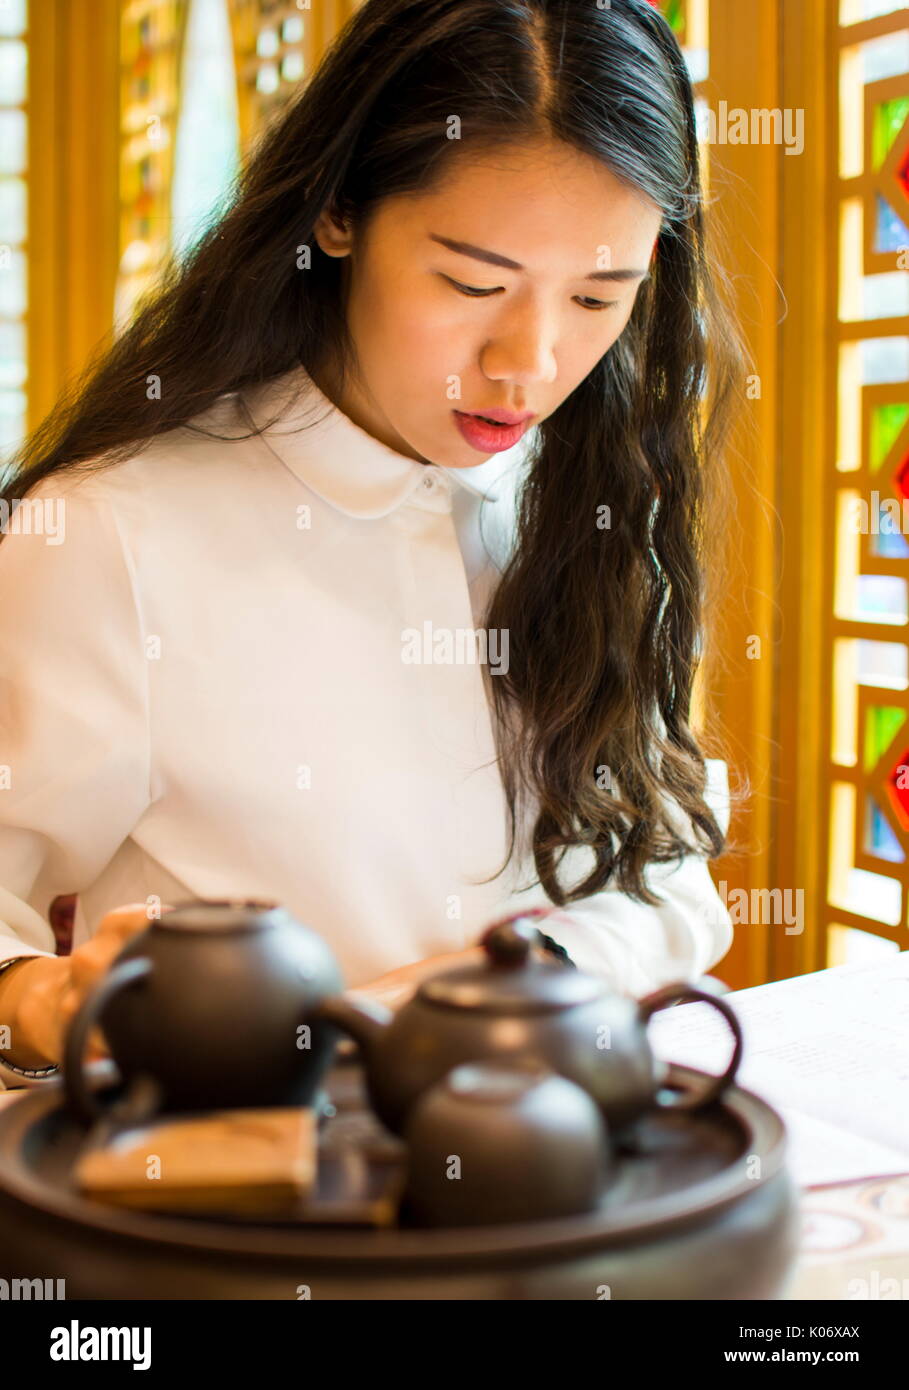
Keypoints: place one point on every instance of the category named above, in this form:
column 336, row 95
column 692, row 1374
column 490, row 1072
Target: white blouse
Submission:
column 239, row 669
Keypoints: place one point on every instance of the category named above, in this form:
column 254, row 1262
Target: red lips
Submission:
column 503, row 417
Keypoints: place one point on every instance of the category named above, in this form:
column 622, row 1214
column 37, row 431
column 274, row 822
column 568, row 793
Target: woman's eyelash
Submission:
column 593, row 305
column 600, row 303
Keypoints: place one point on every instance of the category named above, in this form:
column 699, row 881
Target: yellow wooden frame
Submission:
column 745, row 192
column 804, row 443
column 73, row 153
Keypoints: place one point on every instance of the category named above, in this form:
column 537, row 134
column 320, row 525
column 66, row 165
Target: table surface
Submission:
column 854, row 1243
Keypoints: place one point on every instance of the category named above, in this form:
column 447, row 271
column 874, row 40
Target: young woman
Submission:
column 233, row 646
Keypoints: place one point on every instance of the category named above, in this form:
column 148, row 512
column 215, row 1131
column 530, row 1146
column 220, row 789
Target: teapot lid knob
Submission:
column 509, row 941
column 510, row 981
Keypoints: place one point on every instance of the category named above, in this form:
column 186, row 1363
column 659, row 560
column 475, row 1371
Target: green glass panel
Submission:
column 674, row 14
column 886, row 423
column 889, row 119
column 881, row 725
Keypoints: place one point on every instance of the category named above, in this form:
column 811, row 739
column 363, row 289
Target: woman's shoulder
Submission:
column 166, row 470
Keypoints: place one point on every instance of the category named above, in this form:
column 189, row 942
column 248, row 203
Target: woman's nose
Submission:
column 524, row 351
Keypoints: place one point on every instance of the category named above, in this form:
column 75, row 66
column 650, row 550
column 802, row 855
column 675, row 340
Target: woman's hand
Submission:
column 397, row 986
column 58, row 985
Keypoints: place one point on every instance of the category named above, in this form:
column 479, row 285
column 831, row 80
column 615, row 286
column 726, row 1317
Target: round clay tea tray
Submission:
column 699, row 1206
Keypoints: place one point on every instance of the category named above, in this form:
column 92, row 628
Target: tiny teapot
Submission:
column 514, row 1010
column 529, row 1146
column 212, row 1007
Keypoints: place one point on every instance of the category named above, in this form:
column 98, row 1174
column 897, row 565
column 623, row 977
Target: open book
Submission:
column 829, row 1051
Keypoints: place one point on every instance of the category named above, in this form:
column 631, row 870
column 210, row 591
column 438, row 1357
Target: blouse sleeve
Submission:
column 638, row 948
column 74, row 761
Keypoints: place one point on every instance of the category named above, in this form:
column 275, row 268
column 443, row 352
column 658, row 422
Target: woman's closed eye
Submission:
column 474, row 292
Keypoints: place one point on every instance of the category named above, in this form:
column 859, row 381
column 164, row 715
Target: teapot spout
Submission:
column 363, row 1019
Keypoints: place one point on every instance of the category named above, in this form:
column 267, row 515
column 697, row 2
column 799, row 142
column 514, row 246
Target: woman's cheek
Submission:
column 438, row 344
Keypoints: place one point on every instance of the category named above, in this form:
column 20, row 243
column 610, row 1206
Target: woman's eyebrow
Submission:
column 464, row 248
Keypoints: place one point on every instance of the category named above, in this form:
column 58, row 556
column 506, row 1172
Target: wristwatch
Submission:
column 32, row 1073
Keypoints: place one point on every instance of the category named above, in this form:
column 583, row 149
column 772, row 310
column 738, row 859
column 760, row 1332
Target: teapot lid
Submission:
column 221, row 915
column 510, row 980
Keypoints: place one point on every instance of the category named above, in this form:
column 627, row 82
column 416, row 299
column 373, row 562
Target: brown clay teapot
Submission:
column 211, row 1007
column 489, row 1144
column 512, row 1009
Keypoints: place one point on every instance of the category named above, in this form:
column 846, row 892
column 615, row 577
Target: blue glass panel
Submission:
column 892, row 232
column 880, row 839
column 890, row 547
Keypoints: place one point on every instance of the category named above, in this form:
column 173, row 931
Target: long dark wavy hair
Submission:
column 605, row 626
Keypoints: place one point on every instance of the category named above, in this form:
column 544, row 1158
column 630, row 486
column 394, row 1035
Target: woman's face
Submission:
column 429, row 351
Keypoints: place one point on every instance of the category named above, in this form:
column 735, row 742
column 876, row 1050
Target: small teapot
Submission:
column 212, row 1007
column 514, row 1010
column 528, row 1145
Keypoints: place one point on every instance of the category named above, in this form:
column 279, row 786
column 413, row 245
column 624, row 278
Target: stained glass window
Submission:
column 867, row 870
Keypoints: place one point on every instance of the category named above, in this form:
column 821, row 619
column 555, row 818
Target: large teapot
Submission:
column 513, row 1008
column 212, row 1006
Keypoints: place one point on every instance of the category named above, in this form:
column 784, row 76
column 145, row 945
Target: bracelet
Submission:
column 31, row 1073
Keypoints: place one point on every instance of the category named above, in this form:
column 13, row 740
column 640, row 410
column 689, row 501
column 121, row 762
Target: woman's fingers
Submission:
column 397, row 986
column 393, row 996
column 93, row 957
column 90, row 961
column 58, row 985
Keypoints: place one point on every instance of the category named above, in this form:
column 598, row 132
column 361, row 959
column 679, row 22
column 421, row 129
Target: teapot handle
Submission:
column 683, row 994
column 79, row 1097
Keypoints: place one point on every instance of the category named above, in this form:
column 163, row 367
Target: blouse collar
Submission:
column 342, row 463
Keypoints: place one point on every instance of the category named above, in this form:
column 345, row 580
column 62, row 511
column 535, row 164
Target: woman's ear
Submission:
column 333, row 233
